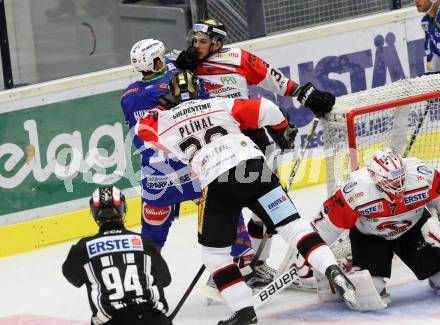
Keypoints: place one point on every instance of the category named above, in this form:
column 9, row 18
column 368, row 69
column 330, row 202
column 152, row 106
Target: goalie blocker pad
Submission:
column 367, row 297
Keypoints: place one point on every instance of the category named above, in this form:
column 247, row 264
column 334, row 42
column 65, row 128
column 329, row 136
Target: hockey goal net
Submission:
column 404, row 115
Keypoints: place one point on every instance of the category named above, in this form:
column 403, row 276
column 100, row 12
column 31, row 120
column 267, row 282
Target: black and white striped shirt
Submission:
column 120, row 268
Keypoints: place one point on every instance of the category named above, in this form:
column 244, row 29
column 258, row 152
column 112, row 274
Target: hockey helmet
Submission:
column 388, row 170
column 107, row 204
column 184, row 86
column 215, row 29
column 144, row 53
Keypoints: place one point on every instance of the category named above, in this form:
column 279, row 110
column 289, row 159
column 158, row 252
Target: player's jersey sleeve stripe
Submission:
column 256, row 113
column 253, row 68
column 246, row 112
column 434, row 193
column 339, row 211
column 146, row 129
column 281, row 126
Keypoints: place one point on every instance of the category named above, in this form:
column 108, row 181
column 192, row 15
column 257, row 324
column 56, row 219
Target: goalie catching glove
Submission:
column 431, row 229
column 319, row 102
column 187, row 60
column 285, row 137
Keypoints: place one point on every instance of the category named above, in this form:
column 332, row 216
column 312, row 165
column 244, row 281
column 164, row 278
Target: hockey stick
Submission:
column 187, row 292
column 288, row 258
column 289, row 182
column 301, row 153
column 416, row 130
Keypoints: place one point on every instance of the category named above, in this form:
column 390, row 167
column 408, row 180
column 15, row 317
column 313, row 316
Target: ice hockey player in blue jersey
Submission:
column 431, row 26
column 165, row 181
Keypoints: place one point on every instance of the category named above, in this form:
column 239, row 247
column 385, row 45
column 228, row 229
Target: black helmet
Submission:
column 107, row 204
column 184, row 86
column 216, row 30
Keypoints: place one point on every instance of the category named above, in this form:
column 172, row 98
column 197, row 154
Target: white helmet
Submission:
column 388, row 170
column 143, row 54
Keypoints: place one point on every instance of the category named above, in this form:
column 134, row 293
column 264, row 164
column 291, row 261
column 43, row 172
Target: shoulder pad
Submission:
column 359, row 188
column 418, row 167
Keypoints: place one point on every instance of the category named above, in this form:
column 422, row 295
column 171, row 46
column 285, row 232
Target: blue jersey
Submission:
column 431, row 27
column 165, row 181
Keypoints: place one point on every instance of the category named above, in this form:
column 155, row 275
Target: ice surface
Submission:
column 33, row 290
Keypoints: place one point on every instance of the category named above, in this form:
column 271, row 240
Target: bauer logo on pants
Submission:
column 155, row 216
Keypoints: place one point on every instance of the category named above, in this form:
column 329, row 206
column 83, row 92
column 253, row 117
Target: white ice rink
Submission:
column 33, row 290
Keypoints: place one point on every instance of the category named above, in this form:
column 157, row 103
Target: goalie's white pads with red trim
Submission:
column 367, row 297
column 431, row 229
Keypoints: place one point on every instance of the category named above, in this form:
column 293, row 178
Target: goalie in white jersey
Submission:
column 207, row 135
column 384, row 206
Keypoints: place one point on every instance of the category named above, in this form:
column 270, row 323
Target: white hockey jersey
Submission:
column 206, row 133
column 359, row 202
column 232, row 70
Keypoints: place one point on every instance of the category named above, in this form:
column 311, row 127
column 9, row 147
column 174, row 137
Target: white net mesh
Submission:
column 417, row 122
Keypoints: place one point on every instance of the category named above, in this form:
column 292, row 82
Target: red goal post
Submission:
column 403, row 114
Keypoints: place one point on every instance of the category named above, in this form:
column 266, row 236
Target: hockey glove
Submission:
column 187, row 60
column 319, row 102
column 431, row 229
column 284, row 138
column 167, row 101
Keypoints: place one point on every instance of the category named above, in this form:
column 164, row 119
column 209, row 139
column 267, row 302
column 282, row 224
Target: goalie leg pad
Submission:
column 367, row 297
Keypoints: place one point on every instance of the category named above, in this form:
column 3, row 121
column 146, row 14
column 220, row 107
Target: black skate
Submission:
column 261, row 276
column 244, row 316
column 341, row 284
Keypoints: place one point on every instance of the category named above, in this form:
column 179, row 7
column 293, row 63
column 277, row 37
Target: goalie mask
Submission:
column 388, row 170
column 108, row 204
column 144, row 54
column 184, row 86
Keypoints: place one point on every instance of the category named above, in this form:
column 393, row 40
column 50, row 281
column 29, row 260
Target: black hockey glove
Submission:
column 284, row 138
column 187, row 60
column 319, row 102
column 167, row 101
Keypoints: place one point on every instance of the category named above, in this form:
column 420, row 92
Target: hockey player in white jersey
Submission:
column 233, row 174
column 230, row 72
column 384, row 206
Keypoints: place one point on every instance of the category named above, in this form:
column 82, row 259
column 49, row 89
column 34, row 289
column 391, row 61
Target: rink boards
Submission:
column 44, row 187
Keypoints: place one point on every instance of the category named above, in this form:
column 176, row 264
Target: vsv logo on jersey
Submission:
column 372, row 208
column 111, row 244
column 415, row 197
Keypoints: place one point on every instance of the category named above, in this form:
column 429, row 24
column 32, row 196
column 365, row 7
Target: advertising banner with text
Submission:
column 58, row 152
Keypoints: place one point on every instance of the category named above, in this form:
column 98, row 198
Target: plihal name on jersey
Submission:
column 194, row 126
